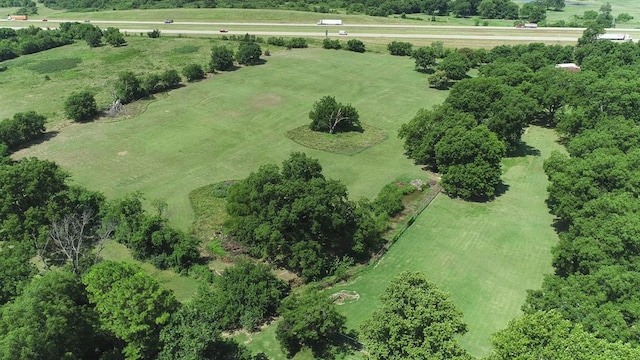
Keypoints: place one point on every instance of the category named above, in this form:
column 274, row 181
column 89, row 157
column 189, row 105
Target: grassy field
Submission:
column 227, row 126
column 224, row 127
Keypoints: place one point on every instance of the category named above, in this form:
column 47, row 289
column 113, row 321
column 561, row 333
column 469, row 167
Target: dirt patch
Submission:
column 345, row 297
column 266, row 100
column 122, row 153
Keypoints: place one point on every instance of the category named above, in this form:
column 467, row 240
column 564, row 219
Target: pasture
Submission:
column 227, row 126
column 224, row 127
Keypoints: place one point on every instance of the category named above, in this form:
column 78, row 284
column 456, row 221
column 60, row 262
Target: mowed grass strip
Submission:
column 229, row 125
column 486, row 255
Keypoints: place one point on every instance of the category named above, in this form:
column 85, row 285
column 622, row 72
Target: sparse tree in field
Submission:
column 221, row 58
column 193, row 72
column 355, row 45
column 425, row 57
column 330, row 116
column 113, row 37
column 128, row 87
column 248, row 53
column 80, row 106
column 416, row 321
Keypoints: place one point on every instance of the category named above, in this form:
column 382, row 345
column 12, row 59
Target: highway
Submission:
column 381, row 31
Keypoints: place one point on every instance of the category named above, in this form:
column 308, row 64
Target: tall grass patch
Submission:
column 51, row 66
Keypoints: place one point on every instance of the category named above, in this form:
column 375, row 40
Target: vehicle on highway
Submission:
column 168, row 21
column 87, row 20
column 342, row 32
column 45, row 20
column 224, row 30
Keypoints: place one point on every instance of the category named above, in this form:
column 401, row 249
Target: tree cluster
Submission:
column 149, row 236
column 593, row 194
column 301, row 221
column 14, row 43
column 129, row 87
column 21, row 129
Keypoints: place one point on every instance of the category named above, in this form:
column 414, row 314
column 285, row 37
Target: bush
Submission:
column 193, row 72
column 276, row 41
column 221, row 58
column 297, row 43
column 80, row 106
column 331, row 44
column 248, row 53
column 389, row 200
column 154, row 34
column 355, row 45
column 399, row 48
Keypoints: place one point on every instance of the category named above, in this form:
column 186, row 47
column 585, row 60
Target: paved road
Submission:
column 542, row 34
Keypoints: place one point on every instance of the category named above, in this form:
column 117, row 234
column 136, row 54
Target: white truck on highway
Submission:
column 329, row 22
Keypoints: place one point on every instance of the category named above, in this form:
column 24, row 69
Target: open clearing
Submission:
column 227, row 126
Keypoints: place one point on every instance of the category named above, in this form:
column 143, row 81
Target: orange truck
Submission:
column 18, row 17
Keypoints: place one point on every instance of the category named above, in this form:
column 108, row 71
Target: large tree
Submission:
column 298, row 219
column 131, row 304
column 249, row 294
column 309, row 320
column 330, row 116
column 52, row 319
column 416, row 321
column 470, row 162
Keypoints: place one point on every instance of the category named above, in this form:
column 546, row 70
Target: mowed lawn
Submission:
column 228, row 126
column 486, row 255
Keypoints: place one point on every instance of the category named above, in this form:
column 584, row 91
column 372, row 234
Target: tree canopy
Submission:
column 131, row 305
column 416, row 321
column 330, row 116
column 296, row 218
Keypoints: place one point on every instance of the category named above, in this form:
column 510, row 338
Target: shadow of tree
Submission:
column 523, row 149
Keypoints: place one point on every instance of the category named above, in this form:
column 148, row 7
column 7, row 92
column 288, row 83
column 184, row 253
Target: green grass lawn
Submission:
column 227, row 126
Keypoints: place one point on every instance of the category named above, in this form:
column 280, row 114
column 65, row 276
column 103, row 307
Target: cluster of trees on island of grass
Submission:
column 293, row 217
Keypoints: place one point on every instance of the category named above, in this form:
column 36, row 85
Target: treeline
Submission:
column 593, row 193
column 491, row 9
column 483, row 118
column 14, row 43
